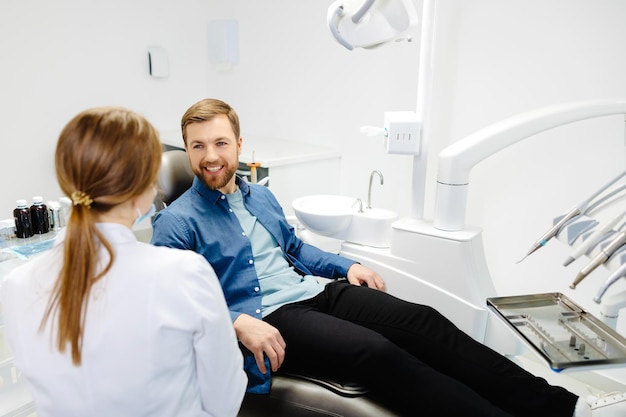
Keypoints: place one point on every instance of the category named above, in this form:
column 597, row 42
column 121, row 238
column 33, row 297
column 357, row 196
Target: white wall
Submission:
column 60, row 57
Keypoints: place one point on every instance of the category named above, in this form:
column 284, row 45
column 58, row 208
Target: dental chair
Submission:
column 175, row 177
column 290, row 395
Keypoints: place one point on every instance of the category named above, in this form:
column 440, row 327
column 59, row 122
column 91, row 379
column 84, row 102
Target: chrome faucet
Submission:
column 369, row 190
column 360, row 202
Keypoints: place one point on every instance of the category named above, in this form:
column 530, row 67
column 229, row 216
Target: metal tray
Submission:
column 560, row 331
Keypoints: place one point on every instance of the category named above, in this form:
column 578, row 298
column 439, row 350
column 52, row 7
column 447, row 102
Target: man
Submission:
column 349, row 329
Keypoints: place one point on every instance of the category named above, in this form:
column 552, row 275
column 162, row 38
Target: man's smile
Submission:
column 213, row 169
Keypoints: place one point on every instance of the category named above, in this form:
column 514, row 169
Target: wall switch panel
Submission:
column 402, row 133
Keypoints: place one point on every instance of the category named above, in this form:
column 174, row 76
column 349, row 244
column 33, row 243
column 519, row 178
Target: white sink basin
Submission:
column 371, row 228
column 325, row 214
column 338, row 217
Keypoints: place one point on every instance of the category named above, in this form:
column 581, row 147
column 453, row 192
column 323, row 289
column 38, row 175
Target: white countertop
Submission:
column 272, row 152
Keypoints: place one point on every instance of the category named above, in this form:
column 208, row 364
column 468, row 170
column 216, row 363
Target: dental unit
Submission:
column 558, row 330
column 553, row 326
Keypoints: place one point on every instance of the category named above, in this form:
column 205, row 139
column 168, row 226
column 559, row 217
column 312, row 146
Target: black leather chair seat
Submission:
column 297, row 396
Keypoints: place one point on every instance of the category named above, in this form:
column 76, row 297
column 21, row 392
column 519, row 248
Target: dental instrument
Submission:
column 580, row 208
column 600, row 258
column 553, row 231
column 591, row 240
column 616, row 275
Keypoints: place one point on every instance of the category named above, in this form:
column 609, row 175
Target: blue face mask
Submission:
column 148, row 214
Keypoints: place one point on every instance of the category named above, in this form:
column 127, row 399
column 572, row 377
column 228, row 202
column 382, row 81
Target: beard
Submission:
column 215, row 182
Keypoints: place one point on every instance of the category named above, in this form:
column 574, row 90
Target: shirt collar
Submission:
column 113, row 232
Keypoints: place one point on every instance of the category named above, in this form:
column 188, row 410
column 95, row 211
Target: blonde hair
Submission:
column 104, row 157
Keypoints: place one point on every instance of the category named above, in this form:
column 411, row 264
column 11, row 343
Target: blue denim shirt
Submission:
column 201, row 220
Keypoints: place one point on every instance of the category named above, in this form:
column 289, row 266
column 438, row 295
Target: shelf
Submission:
column 25, row 248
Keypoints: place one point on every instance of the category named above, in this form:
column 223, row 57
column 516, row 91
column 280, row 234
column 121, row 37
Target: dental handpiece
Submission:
column 579, row 209
column 600, row 258
column 595, row 236
column 552, row 232
column 619, row 273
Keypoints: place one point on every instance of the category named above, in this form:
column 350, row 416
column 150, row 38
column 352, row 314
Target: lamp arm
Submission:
column 333, row 22
column 360, row 12
column 457, row 160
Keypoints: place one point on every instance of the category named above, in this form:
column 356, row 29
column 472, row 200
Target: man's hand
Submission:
column 261, row 338
column 359, row 275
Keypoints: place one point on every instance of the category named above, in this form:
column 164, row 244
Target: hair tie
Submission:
column 80, row 198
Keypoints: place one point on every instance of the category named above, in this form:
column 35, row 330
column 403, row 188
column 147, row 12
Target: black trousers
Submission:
column 410, row 355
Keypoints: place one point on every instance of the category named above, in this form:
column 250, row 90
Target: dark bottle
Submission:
column 39, row 216
column 23, row 224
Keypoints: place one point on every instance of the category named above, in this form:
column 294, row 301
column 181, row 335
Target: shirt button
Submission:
column 250, row 261
column 231, row 210
column 258, row 311
column 256, row 289
column 243, row 233
column 222, row 197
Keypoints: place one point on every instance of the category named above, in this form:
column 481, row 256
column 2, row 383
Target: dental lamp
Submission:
column 370, row 23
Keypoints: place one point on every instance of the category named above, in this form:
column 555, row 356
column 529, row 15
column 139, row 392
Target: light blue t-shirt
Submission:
column 280, row 284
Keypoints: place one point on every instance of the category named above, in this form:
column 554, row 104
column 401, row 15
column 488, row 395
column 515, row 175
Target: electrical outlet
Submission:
column 402, row 133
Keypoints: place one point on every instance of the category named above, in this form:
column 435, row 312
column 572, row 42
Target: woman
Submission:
column 103, row 325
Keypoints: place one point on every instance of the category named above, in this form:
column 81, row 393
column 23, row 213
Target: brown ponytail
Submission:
column 104, row 157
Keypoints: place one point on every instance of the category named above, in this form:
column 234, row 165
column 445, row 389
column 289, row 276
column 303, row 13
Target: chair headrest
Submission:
column 175, row 176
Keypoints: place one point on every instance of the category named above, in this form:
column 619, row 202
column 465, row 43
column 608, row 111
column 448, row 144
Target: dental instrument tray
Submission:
column 560, row 331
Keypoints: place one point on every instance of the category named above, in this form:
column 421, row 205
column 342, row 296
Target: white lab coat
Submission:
column 158, row 337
